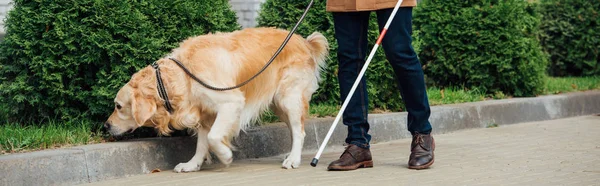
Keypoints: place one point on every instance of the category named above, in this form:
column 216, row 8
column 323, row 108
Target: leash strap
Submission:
column 162, row 92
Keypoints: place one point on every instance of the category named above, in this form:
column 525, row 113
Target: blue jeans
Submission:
column 351, row 35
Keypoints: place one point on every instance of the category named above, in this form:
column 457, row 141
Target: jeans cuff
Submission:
column 427, row 132
column 361, row 145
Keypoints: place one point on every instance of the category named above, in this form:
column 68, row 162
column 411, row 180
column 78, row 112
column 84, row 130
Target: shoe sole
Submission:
column 422, row 166
column 364, row 164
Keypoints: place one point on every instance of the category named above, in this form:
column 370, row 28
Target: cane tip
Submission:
column 314, row 162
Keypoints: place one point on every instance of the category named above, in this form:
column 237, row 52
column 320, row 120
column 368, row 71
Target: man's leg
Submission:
column 351, row 35
column 410, row 79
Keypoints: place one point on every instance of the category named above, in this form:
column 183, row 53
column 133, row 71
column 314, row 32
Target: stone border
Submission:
column 92, row 163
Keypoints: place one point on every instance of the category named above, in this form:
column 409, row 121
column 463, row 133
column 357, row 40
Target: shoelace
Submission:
column 419, row 141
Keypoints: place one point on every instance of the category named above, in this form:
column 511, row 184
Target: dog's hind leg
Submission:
column 294, row 108
column 201, row 152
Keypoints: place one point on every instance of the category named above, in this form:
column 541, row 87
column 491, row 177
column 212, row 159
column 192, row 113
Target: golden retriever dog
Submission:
column 225, row 60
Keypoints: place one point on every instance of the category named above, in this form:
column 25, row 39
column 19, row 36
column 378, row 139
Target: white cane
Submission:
column 360, row 76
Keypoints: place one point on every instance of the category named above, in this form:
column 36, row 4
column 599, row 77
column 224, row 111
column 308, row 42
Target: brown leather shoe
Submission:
column 422, row 147
column 353, row 158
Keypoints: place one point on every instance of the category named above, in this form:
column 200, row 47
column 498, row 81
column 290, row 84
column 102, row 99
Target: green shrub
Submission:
column 380, row 76
column 62, row 58
column 571, row 36
column 489, row 45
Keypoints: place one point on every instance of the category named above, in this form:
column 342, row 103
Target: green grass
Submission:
column 56, row 134
column 319, row 111
column 315, row 111
column 436, row 97
column 453, row 95
column 53, row 134
column 570, row 84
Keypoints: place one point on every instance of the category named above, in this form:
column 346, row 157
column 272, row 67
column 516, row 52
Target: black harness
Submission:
column 162, row 92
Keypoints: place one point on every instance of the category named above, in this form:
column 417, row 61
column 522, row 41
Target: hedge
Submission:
column 571, row 36
column 489, row 45
column 65, row 59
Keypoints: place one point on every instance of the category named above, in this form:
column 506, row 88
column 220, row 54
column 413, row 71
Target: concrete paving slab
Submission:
column 555, row 152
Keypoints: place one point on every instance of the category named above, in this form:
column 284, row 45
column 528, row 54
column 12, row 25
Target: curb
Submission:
column 97, row 162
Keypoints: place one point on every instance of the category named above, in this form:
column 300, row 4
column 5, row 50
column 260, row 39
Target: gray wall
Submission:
column 247, row 11
column 5, row 6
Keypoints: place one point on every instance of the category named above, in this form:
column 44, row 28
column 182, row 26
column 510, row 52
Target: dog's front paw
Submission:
column 291, row 162
column 226, row 158
column 187, row 167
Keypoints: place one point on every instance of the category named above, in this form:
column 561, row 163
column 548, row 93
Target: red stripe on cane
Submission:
column 381, row 36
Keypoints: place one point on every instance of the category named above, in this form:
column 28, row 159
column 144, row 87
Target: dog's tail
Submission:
column 319, row 48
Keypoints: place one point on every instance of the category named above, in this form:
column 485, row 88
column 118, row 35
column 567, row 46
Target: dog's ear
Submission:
column 142, row 108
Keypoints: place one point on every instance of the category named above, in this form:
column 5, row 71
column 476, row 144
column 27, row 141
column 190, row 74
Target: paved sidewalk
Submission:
column 557, row 152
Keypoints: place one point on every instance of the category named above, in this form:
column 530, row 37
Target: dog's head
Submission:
column 132, row 110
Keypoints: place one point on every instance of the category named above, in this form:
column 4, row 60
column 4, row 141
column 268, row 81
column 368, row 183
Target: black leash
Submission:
column 163, row 93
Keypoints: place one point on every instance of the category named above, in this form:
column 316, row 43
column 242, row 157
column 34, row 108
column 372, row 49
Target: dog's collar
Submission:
column 162, row 91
